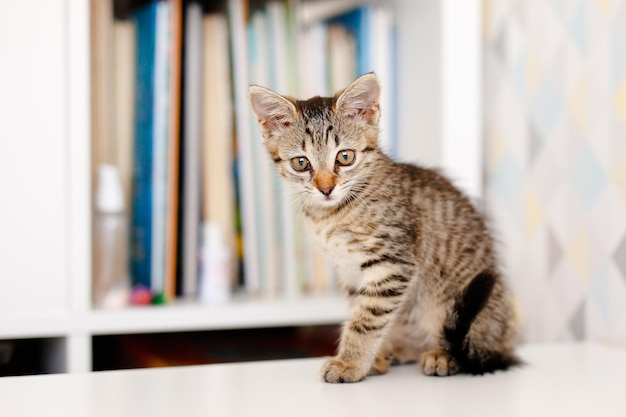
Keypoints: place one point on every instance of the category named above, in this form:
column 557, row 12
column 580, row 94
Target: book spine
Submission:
column 192, row 137
column 102, row 80
column 236, row 9
column 161, row 109
column 141, row 217
column 272, row 193
column 173, row 146
column 217, row 144
column 125, row 54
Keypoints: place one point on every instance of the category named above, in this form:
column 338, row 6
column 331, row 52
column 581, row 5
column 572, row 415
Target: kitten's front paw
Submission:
column 337, row 371
column 438, row 362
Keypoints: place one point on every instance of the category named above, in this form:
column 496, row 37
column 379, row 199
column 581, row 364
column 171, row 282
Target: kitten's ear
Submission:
column 361, row 99
column 273, row 111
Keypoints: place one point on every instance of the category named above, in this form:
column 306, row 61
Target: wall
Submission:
column 555, row 128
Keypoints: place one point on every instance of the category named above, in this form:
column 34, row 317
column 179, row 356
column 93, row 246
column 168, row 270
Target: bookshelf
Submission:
column 45, row 273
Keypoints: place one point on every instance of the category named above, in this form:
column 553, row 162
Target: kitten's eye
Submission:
column 300, row 163
column 346, row 157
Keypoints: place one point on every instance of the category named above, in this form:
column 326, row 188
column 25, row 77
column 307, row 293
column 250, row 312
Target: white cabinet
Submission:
column 34, row 156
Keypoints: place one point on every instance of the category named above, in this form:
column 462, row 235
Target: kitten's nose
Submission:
column 326, row 189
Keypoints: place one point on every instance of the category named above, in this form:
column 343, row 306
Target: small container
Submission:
column 215, row 285
column 111, row 278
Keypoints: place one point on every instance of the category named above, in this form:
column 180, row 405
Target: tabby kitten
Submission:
column 412, row 253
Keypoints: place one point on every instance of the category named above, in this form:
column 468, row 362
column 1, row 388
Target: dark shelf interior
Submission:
column 209, row 347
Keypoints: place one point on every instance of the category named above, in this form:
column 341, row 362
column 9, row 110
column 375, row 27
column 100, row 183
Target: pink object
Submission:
column 141, row 296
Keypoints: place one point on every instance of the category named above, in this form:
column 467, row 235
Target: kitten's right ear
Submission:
column 360, row 100
column 274, row 112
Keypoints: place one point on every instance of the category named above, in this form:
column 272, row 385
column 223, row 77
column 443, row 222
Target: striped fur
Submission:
column 413, row 254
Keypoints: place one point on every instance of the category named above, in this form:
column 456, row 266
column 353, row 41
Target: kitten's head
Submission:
column 323, row 145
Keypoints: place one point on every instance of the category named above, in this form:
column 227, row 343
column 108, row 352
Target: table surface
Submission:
column 557, row 380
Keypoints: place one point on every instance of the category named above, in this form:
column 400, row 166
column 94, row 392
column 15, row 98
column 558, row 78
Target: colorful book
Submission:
column 153, row 120
column 141, row 217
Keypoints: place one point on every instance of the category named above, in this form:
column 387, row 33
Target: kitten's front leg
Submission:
column 371, row 315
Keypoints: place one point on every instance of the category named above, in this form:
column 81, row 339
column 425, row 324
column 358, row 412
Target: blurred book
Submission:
column 124, row 109
column 218, row 190
column 237, row 11
column 173, row 147
column 155, row 144
column 191, row 153
column 102, row 83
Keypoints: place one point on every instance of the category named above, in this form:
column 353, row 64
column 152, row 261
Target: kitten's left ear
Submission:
column 361, row 99
column 273, row 111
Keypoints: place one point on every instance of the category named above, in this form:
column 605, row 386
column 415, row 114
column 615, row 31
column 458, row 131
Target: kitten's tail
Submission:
column 467, row 306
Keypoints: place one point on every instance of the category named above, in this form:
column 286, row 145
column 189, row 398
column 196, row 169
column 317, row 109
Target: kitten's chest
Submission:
column 343, row 246
column 333, row 239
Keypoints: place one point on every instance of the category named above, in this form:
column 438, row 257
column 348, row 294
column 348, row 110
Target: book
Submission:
column 312, row 12
column 102, row 84
column 359, row 22
column 153, row 143
column 313, row 60
column 264, row 180
column 124, row 110
column 160, row 132
column 342, row 57
column 244, row 161
column 173, row 146
column 218, row 190
column 191, row 147
column 141, row 255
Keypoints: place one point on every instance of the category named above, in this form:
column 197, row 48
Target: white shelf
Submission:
column 230, row 315
column 34, row 325
column 236, row 314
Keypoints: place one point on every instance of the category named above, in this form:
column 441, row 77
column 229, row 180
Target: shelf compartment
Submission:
column 32, row 356
column 220, row 346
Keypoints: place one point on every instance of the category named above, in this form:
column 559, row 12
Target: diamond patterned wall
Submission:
column 555, row 123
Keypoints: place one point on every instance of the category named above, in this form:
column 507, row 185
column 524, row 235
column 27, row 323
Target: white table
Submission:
column 558, row 380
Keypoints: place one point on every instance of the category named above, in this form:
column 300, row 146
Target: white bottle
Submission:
column 215, row 285
column 111, row 279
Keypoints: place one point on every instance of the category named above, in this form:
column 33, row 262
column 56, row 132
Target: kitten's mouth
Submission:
column 325, row 200
column 329, row 200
